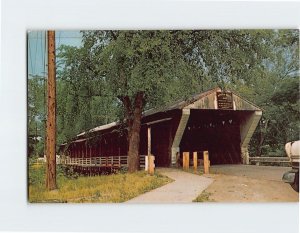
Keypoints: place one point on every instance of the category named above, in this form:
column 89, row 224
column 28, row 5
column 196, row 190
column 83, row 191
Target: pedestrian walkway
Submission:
column 184, row 189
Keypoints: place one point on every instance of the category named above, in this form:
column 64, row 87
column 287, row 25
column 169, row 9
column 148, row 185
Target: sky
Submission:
column 37, row 51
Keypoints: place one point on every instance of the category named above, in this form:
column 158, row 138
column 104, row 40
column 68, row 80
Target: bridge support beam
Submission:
column 247, row 128
column 178, row 136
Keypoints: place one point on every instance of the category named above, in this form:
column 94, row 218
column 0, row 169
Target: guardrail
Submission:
column 102, row 161
column 270, row 160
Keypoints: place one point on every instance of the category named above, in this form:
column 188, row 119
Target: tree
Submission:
column 273, row 87
column 141, row 66
column 137, row 70
column 138, row 67
column 83, row 100
column 36, row 116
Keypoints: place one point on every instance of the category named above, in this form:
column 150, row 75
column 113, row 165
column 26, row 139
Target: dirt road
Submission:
column 251, row 171
column 246, row 183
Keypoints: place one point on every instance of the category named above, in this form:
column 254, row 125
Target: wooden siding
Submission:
column 209, row 102
column 104, row 145
column 243, row 105
column 206, row 102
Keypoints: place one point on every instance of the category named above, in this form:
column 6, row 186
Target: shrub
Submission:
column 67, row 171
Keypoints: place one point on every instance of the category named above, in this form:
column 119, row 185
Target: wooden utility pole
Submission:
column 51, row 115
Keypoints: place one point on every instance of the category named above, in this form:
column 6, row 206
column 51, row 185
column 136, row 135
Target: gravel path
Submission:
column 228, row 188
column 251, row 171
column 184, row 189
column 249, row 183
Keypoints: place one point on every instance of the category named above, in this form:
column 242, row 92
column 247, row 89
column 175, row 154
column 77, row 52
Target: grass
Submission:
column 103, row 189
column 203, row 197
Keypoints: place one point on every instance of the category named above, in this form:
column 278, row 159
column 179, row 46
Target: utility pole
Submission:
column 51, row 115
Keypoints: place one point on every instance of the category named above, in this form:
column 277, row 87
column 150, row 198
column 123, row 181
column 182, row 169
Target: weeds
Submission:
column 203, row 197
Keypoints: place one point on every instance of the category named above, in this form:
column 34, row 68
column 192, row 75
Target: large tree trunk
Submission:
column 133, row 118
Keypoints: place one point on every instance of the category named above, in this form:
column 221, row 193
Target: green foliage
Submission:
column 36, row 175
column 274, row 86
column 284, row 112
column 36, row 115
column 129, row 62
column 167, row 65
column 37, row 171
column 83, row 100
column 67, row 171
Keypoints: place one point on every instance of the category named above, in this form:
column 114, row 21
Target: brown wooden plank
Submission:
column 186, row 160
column 195, row 160
column 206, row 162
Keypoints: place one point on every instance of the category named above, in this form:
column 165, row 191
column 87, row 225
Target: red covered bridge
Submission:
column 220, row 122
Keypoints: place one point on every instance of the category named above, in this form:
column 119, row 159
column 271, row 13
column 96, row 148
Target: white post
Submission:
column 149, row 150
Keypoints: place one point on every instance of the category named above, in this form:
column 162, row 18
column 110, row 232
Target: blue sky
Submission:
column 37, row 53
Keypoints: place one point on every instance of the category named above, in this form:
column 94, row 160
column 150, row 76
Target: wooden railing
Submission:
column 109, row 161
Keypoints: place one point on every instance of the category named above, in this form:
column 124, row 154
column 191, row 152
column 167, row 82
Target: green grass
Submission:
column 104, row 189
column 203, row 197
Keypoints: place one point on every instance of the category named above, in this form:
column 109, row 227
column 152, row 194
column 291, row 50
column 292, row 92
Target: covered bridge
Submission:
column 217, row 121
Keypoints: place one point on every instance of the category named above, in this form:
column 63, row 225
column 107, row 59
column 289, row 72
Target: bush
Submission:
column 67, row 171
column 123, row 170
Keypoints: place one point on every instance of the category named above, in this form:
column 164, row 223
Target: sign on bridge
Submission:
column 224, row 100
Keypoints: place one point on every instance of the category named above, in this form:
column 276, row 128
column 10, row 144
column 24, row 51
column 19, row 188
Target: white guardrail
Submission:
column 102, row 161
